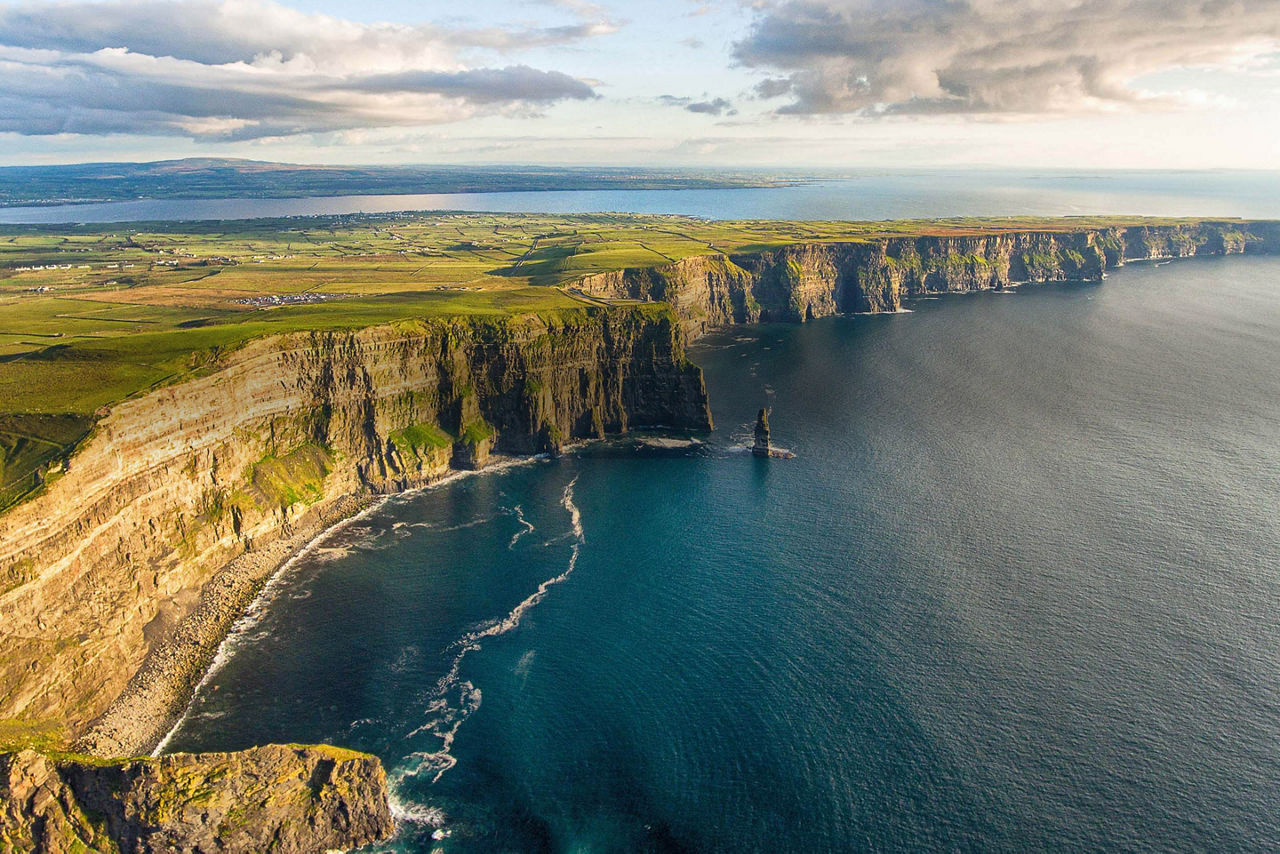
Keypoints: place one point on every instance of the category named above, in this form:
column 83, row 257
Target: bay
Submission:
column 869, row 195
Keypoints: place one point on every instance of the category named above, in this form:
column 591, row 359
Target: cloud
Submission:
column 482, row 85
column 712, row 107
column 993, row 56
column 717, row 107
column 245, row 69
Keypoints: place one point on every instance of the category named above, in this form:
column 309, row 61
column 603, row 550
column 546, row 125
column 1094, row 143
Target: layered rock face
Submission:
column 809, row 280
column 105, row 563
column 277, row 798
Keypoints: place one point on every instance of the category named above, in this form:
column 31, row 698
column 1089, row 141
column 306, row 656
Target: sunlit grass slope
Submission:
column 90, row 315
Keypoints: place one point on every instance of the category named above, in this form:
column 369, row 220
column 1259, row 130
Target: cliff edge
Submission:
column 807, row 280
column 279, row 798
column 116, row 557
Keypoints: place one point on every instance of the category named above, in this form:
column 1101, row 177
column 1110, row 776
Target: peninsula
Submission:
column 221, row 178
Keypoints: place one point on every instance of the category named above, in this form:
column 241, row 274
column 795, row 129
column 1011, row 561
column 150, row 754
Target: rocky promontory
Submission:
column 119, row 580
column 120, row 576
column 281, row 798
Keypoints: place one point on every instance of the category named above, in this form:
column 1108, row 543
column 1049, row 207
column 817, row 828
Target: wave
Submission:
column 242, row 629
column 415, row 813
column 456, row 699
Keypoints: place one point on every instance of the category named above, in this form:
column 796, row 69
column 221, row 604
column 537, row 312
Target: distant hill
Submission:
column 212, row 178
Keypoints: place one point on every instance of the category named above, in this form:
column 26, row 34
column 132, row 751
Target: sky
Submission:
column 795, row 84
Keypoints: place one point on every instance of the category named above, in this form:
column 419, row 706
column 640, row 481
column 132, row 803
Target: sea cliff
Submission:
column 119, row 578
column 110, row 562
column 804, row 281
column 284, row 798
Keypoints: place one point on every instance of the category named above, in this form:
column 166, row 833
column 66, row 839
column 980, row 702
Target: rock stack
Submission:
column 761, row 447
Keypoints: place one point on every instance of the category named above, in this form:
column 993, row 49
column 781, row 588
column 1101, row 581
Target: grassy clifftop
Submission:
column 91, row 315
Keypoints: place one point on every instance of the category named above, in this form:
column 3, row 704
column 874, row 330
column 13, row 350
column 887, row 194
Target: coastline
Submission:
column 158, row 697
column 158, row 694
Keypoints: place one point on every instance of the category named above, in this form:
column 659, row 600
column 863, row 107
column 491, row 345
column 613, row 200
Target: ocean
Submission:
column 869, row 195
column 1017, row 591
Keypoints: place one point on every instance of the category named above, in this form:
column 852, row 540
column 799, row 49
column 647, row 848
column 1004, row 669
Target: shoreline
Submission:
column 157, row 696
column 157, row 699
column 159, row 692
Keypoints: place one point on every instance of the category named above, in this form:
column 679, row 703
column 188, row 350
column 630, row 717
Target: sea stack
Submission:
column 761, row 448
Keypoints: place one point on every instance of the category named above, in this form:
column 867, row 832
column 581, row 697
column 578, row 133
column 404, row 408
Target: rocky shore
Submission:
column 282, row 798
column 98, row 573
column 119, row 582
column 805, row 281
column 108, row 580
column 155, row 698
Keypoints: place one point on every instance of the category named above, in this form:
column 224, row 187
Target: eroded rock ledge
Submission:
column 282, row 798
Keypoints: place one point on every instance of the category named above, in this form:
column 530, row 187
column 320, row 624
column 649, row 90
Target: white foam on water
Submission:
column 326, row 554
column 667, row 443
column 526, row 529
column 416, row 813
column 455, row 699
column 242, row 629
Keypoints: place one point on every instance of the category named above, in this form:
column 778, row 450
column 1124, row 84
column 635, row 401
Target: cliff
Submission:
column 111, row 562
column 804, row 281
column 278, row 798
column 119, row 579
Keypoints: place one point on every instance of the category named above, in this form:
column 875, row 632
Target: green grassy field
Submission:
column 91, row 315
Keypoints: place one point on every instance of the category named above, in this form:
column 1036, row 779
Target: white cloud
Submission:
column 994, row 56
column 243, row 69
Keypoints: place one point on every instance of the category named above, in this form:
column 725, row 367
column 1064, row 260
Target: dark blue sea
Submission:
column 1019, row 590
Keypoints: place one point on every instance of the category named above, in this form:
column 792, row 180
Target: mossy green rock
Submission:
column 282, row 798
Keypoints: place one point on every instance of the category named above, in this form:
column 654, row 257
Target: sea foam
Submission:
column 455, row 699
